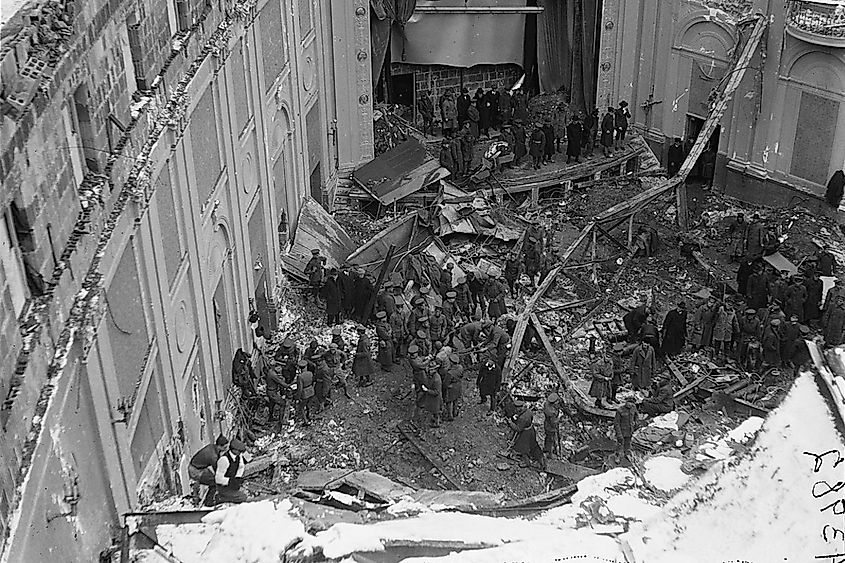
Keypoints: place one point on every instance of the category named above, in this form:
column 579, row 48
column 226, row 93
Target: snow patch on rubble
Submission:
column 745, row 431
column 246, row 533
column 665, row 473
column 758, row 506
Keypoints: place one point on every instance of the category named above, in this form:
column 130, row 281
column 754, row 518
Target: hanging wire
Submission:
column 111, row 316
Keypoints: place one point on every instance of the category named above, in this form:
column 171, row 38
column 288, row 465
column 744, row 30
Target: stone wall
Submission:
column 128, row 125
column 437, row 78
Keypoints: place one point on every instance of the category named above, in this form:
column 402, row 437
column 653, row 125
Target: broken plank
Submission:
column 435, row 464
column 759, row 411
column 676, row 372
column 691, row 387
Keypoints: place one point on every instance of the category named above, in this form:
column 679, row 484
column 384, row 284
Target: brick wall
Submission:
column 437, row 78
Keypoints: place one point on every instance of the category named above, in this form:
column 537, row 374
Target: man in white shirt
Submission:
column 229, row 473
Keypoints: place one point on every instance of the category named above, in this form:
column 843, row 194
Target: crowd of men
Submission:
column 763, row 328
column 466, row 119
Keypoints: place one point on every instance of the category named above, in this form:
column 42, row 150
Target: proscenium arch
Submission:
column 706, row 25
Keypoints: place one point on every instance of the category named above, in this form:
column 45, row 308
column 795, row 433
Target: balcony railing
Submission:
column 822, row 22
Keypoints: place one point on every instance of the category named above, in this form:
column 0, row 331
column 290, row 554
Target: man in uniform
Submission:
column 624, row 424
column 450, row 309
column 385, row 341
column 551, row 425
column 399, row 330
column 422, row 341
column 304, row 392
column 314, row 271
column 437, row 326
column 335, row 360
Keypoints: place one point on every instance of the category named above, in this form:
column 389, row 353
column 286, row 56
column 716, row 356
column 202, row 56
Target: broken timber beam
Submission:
column 522, row 322
column 691, row 387
column 433, row 463
column 717, row 110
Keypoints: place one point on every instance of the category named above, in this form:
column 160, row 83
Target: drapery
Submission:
column 554, row 54
column 383, row 14
column 566, row 48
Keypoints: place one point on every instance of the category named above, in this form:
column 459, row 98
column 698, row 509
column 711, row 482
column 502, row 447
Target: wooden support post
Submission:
column 593, row 253
column 681, row 198
column 535, row 197
column 379, row 281
column 630, row 230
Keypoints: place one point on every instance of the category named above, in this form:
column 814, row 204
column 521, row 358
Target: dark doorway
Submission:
column 222, row 325
column 402, row 92
column 693, row 128
column 314, row 183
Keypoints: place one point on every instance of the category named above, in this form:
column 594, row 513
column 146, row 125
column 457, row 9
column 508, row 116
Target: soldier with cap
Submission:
column 337, row 339
column 513, row 269
column 386, row 300
column 794, row 298
column 789, row 336
column 229, row 473
column 385, row 341
column 602, row 377
column 304, row 392
column 551, row 425
column 277, row 389
column 421, row 340
column 814, row 287
column 449, row 309
column 437, row 325
column 463, row 301
column 495, row 291
column 362, row 364
column 625, row 423
column 456, row 387
column 749, row 331
column 314, row 271
column 322, row 381
column 433, row 392
column 399, row 330
column 335, row 360
column 488, row 381
column 771, row 343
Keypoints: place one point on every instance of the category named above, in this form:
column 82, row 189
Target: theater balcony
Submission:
column 821, row 22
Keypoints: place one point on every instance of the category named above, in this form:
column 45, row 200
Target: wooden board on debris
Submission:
column 569, row 471
column 370, row 483
column 316, row 228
